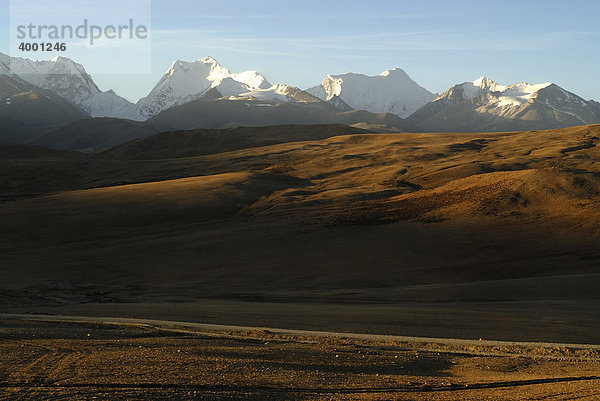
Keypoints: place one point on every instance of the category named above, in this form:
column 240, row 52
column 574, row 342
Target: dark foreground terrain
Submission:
column 153, row 360
column 492, row 236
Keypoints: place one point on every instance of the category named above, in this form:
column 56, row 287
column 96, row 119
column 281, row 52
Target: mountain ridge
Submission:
column 478, row 105
column 484, row 105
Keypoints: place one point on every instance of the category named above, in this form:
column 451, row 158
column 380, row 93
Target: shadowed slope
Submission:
column 31, row 105
column 92, row 135
column 224, row 113
column 168, row 145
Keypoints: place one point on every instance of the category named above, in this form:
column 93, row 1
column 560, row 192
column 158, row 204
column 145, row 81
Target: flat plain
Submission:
column 148, row 360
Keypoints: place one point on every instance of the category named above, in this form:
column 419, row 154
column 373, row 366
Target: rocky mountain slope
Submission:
column 69, row 80
column 484, row 105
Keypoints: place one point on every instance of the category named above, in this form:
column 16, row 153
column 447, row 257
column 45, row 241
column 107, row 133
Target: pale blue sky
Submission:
column 437, row 42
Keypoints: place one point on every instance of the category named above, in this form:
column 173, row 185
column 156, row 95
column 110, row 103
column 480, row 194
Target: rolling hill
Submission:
column 176, row 144
column 401, row 217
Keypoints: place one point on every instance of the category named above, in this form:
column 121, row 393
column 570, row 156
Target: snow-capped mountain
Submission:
column 187, row 81
column 392, row 91
column 279, row 92
column 484, row 105
column 479, row 105
column 26, row 103
column 61, row 75
column 109, row 104
column 69, row 80
column 206, row 79
column 182, row 83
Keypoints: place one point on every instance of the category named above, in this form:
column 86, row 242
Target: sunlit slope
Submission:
column 431, row 217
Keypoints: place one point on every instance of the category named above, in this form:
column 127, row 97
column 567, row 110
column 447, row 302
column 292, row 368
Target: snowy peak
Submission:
column 474, row 88
column 485, row 105
column 330, row 87
column 108, row 104
column 485, row 83
column 392, row 91
column 209, row 60
column 69, row 80
column 515, row 95
column 279, row 92
column 397, row 72
column 42, row 69
column 252, row 79
column 521, row 93
column 209, row 72
column 61, row 75
column 187, row 81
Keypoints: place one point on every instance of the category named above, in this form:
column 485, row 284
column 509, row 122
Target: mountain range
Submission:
column 484, row 105
column 38, row 98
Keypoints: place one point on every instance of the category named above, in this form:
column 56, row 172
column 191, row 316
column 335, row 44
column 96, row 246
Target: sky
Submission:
column 439, row 43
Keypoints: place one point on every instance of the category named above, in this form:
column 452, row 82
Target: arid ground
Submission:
column 158, row 360
column 467, row 236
